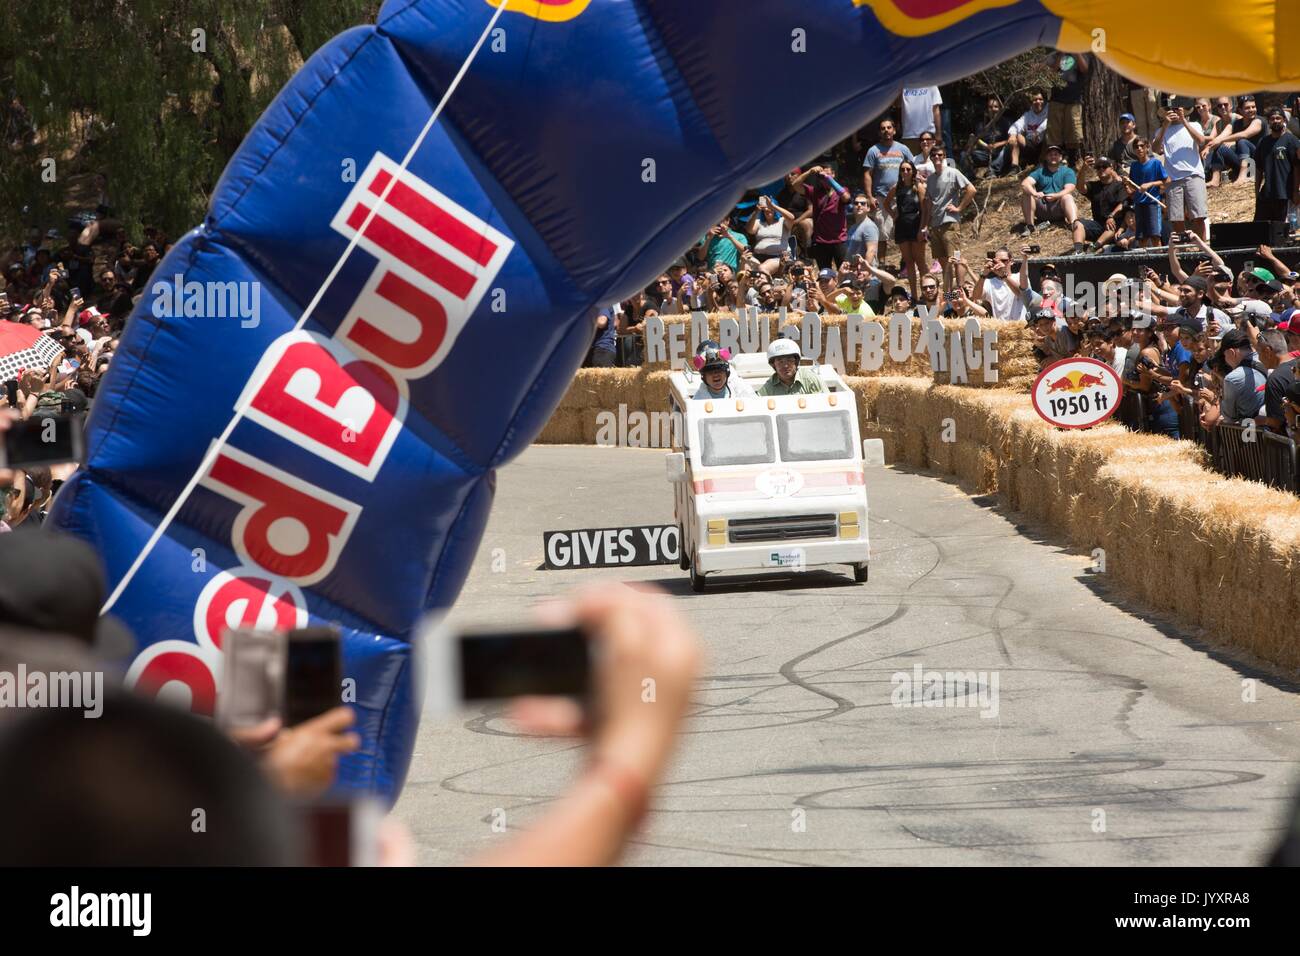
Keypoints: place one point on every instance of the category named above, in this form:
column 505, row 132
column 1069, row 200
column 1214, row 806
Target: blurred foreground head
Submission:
column 142, row 785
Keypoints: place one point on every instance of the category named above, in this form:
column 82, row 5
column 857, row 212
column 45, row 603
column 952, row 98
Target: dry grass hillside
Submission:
column 998, row 209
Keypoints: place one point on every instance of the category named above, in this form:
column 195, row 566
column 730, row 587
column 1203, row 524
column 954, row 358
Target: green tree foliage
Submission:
column 156, row 95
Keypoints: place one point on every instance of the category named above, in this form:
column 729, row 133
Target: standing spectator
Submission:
column 1277, row 159
column 920, row 111
column 683, row 283
column 1148, row 176
column 1124, row 150
column 1000, row 289
column 769, row 227
column 1065, row 121
column 114, row 298
column 604, row 343
column 722, row 245
column 879, row 174
column 1244, row 387
column 987, row 146
column 1283, row 378
column 1144, row 101
column 947, row 194
column 792, row 197
column 659, row 297
column 1027, row 133
column 904, row 203
column 929, row 305
column 864, row 234
column 922, row 158
column 1237, row 142
column 1181, row 146
column 829, row 202
column 1047, row 194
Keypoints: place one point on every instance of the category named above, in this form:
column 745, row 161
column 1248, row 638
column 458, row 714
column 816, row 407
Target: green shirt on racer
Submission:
column 787, row 377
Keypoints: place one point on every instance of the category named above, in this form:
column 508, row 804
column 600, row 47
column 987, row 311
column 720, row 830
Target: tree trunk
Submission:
column 1105, row 97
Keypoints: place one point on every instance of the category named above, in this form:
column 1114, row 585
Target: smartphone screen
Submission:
column 312, row 675
column 551, row 662
column 44, row 440
column 252, row 686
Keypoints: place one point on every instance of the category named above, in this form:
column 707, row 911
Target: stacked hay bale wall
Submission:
column 1213, row 552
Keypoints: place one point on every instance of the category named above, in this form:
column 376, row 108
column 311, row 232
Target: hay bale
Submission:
column 654, row 391
column 564, row 427
column 887, row 436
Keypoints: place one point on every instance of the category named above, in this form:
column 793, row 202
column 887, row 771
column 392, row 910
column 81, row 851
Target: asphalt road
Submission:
column 1112, row 739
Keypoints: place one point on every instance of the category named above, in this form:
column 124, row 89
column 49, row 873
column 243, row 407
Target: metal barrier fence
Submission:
column 1237, row 451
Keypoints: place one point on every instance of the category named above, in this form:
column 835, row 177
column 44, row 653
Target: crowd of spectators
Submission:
column 875, row 224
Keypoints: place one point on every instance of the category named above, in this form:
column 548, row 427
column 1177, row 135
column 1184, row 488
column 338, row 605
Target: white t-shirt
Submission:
column 1032, row 126
column 1182, row 158
column 918, row 110
column 923, row 170
column 771, row 238
column 1003, row 303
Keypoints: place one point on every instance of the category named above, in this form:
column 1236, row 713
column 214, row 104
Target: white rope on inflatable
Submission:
column 240, row 409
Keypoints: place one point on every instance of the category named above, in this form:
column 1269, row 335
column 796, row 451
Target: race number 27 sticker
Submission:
column 1077, row 393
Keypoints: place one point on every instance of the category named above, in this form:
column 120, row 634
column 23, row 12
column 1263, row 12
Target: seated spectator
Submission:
column 1222, row 111
column 787, row 376
column 1027, row 133
column 986, row 149
column 1108, row 197
column 1236, row 141
column 1048, row 194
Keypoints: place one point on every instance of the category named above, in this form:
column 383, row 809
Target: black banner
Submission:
column 610, row 547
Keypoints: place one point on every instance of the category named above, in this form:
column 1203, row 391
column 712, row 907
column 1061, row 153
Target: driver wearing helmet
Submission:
column 714, row 365
column 787, row 377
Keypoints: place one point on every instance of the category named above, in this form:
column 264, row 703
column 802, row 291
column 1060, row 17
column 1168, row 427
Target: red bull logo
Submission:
column 1074, row 382
column 912, row 18
column 553, row 10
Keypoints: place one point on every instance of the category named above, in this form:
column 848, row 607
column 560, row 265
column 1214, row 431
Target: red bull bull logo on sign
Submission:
column 552, row 10
column 911, row 18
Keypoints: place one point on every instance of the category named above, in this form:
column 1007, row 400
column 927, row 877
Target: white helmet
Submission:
column 780, row 347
